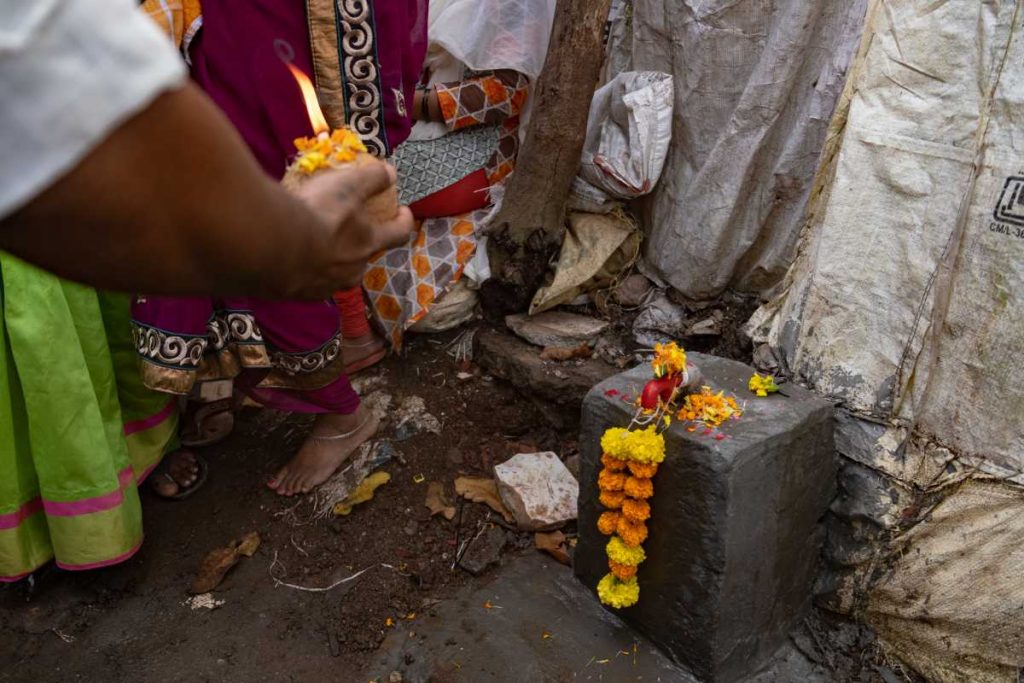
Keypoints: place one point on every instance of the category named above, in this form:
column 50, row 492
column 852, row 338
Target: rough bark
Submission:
column 531, row 222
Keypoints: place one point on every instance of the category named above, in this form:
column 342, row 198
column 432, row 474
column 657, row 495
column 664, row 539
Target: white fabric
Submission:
column 485, row 35
column 755, row 85
column 70, row 72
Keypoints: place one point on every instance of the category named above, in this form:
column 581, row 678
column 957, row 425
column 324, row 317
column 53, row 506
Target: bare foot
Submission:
column 176, row 473
column 323, row 453
column 362, row 352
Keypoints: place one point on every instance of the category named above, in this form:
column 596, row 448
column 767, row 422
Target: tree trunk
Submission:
column 530, row 225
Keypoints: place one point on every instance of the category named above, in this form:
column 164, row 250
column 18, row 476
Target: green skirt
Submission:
column 78, row 431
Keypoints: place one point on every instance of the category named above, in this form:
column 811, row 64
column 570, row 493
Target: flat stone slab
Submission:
column 556, row 328
column 735, row 531
column 542, row 625
column 561, row 386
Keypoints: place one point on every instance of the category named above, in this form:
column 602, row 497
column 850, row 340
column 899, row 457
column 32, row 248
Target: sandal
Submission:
column 202, row 470
column 207, row 423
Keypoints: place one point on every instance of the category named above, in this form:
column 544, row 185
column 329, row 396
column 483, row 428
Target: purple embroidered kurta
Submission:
column 287, row 354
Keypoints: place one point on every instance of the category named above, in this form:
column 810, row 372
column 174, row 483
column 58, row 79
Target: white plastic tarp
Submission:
column 756, row 82
column 906, row 305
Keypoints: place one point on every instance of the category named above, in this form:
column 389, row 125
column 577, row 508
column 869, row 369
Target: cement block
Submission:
column 735, row 530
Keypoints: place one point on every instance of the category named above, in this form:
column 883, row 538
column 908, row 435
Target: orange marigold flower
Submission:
column 623, row 572
column 636, row 510
column 608, row 522
column 632, row 534
column 642, row 469
column 611, row 481
column 612, row 463
column 612, row 499
column 636, row 487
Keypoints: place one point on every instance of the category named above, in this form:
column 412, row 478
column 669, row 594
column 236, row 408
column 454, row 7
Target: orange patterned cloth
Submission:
column 488, row 98
column 179, row 19
column 403, row 283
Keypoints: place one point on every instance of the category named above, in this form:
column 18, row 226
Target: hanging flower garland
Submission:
column 630, row 460
column 626, row 480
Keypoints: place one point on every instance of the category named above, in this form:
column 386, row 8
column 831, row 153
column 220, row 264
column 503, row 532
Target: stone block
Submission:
column 736, row 525
column 538, row 490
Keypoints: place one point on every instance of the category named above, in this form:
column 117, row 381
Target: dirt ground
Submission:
column 130, row 622
column 133, row 622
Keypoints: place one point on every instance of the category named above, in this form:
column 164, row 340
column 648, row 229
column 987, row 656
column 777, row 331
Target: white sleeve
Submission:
column 70, row 72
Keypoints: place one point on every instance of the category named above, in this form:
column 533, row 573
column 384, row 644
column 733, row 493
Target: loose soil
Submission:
column 130, row 622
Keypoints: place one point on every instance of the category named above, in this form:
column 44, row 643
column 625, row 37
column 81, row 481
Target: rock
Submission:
column 735, row 526
column 538, row 489
column 632, row 291
column 508, row 357
column 556, row 328
column 710, row 326
column 660, row 321
column 484, row 552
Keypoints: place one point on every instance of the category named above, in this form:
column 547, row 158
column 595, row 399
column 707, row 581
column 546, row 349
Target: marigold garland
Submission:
column 636, row 510
column 623, row 572
column 638, row 488
column 642, row 470
column 614, row 464
column 611, row 481
column 611, row 499
column 608, row 522
column 616, row 593
column 639, row 445
column 621, row 553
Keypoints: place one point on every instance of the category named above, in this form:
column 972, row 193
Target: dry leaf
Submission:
column 436, row 502
column 553, row 543
column 482, row 491
column 561, row 353
column 216, row 564
column 362, row 493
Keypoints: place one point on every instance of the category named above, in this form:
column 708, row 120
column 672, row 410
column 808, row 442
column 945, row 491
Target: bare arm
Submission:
column 173, row 203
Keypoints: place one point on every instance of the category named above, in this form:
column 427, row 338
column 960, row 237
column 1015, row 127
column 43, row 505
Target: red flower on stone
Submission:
column 612, row 392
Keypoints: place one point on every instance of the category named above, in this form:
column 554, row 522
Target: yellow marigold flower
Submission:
column 621, row 553
column 640, row 445
column 669, row 359
column 632, row 533
column 623, row 572
column 610, row 481
column 612, row 499
column 643, row 470
column 636, row 510
column 618, row 594
column 762, row 385
column 637, row 487
column 312, row 161
column 613, row 464
column 608, row 522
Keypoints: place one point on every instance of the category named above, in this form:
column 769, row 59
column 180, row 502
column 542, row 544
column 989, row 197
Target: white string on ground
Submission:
column 309, row 589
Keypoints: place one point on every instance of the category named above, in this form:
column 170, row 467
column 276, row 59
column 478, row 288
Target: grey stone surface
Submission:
column 538, row 490
column 556, row 328
column 484, row 552
column 558, row 388
column 735, row 531
column 532, row 596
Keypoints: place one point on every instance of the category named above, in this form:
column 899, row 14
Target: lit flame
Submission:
column 316, row 116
